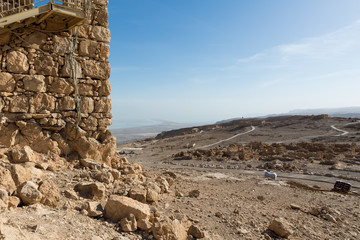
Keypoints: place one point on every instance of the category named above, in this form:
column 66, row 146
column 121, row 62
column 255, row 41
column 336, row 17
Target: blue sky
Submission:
column 200, row 61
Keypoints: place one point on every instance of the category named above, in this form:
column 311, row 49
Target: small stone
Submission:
column 129, row 224
column 281, row 227
column 94, row 209
column 144, row 224
column 71, row 194
column 91, row 190
column 194, row 193
column 196, row 232
column 294, row 206
column 330, row 218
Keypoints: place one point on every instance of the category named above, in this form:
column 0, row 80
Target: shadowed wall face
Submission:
column 39, row 96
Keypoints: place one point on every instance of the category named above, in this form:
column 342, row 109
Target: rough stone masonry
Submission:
column 37, row 92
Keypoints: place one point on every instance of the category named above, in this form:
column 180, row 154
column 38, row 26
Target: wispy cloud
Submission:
column 309, row 58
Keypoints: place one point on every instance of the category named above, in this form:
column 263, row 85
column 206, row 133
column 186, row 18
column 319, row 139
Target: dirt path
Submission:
column 227, row 139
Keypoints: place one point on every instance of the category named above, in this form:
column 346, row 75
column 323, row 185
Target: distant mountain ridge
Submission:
column 346, row 112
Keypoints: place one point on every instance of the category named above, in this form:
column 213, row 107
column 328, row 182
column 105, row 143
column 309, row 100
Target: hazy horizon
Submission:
column 194, row 62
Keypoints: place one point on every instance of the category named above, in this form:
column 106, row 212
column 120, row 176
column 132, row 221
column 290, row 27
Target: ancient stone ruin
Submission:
column 54, row 87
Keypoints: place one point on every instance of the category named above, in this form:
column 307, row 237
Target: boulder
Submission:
column 101, row 34
column 28, row 193
column 50, row 192
column 129, row 223
column 21, row 174
column 119, row 207
column 24, row 154
column 281, row 227
column 91, row 190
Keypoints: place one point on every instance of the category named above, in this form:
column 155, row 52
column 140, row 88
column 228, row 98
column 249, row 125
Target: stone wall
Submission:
column 37, row 92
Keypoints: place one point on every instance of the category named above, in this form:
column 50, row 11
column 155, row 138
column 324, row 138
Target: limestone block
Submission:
column 24, row 154
column 6, row 180
column 144, row 224
column 31, row 130
column 102, row 17
column 34, row 83
column 96, row 69
column 61, row 86
column 21, row 174
column 87, row 105
column 62, row 45
column 104, row 52
column 50, row 193
column 19, row 104
column 45, row 65
column 89, row 123
column 103, row 105
column 86, row 89
column 105, row 88
column 17, row 62
column 91, row 190
column 101, row 2
column 67, row 69
column 104, row 122
column 35, row 40
column 88, row 48
column 5, row 38
column 83, row 31
column 101, row 34
column 8, row 134
column 28, row 192
column 7, row 82
column 129, row 223
column 94, row 209
column 67, row 103
column 138, row 194
column 119, row 207
column 281, row 227
column 41, row 102
column 88, row 148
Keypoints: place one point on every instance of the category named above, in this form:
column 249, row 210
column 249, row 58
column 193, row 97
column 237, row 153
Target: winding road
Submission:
column 227, row 139
column 343, row 132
